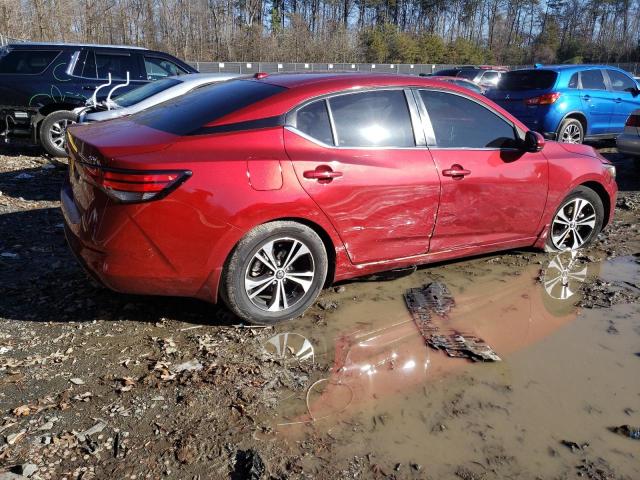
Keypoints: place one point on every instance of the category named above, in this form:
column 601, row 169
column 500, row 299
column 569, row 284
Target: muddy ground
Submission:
column 95, row 384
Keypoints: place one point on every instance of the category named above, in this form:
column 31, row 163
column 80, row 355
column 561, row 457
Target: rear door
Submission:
column 117, row 62
column 361, row 160
column 492, row 192
column 597, row 102
column 625, row 95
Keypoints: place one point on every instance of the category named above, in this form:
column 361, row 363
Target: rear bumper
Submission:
column 628, row 144
column 125, row 259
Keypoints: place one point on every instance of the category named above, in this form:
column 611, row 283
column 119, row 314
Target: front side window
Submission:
column 116, row 64
column 372, row 119
column 157, row 68
column 459, row 122
column 620, row 82
column 592, row 80
column 30, row 62
column 313, row 120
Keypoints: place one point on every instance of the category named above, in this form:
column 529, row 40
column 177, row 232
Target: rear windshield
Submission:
column 452, row 72
column 527, row 80
column 142, row 93
column 468, row 74
column 30, row 62
column 186, row 114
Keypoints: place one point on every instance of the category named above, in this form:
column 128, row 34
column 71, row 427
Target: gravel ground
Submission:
column 95, row 384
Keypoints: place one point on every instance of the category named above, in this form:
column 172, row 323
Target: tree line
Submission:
column 509, row 32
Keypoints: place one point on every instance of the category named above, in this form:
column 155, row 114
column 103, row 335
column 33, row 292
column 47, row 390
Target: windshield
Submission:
column 527, row 80
column 186, row 114
column 142, row 93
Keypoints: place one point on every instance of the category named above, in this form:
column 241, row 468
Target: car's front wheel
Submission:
column 275, row 272
column 53, row 129
column 577, row 221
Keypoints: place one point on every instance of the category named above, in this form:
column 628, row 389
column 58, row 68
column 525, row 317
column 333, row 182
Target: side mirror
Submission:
column 533, row 142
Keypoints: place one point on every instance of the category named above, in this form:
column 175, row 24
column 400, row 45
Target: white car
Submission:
column 629, row 141
column 148, row 95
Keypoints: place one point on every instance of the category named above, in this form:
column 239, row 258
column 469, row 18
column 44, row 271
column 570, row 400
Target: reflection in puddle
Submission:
column 376, row 352
column 377, row 385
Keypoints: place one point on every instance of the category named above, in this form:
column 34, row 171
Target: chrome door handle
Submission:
column 456, row 171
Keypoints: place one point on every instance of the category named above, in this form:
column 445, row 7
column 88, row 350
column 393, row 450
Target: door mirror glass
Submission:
column 533, row 142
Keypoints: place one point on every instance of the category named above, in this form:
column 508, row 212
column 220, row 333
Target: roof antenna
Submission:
column 94, row 98
column 114, row 89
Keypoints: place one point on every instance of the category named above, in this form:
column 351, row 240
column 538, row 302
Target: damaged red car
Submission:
column 259, row 192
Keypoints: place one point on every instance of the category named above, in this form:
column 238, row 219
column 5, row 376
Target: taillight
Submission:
column 546, row 99
column 135, row 186
column 633, row 121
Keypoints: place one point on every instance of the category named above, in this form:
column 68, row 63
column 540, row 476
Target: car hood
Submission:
column 580, row 149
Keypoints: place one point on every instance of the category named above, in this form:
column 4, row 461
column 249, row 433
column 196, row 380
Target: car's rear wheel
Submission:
column 53, row 129
column 275, row 272
column 577, row 221
column 571, row 131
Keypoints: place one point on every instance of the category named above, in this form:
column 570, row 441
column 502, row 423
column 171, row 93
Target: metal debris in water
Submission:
column 436, row 298
column 627, row 431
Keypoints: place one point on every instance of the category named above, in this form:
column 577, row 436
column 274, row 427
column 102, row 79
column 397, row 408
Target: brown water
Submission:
column 564, row 376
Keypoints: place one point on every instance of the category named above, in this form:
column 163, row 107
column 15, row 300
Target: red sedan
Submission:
column 262, row 191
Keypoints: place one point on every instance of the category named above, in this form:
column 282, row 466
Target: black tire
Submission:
column 52, row 132
column 242, row 267
column 571, row 128
column 556, row 230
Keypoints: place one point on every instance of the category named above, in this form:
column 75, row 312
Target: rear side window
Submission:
column 592, row 80
column 372, row 119
column 574, row 81
column 186, row 114
column 490, row 76
column 116, row 64
column 620, row 82
column 520, row 80
column 313, row 120
column 462, row 123
column 30, row 62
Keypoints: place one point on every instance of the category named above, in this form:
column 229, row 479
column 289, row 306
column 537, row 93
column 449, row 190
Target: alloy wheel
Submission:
column 571, row 134
column 280, row 274
column 573, row 224
column 564, row 275
column 57, row 132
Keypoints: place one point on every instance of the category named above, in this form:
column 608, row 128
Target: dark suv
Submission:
column 40, row 83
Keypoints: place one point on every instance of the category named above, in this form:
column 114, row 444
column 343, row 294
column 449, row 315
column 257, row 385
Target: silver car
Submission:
column 148, row 95
column 629, row 141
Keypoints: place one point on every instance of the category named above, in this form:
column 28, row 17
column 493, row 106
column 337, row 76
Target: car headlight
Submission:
column 611, row 169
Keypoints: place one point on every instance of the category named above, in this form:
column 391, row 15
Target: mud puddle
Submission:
column 566, row 375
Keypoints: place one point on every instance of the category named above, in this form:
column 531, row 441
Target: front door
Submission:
column 492, row 192
column 626, row 98
column 356, row 155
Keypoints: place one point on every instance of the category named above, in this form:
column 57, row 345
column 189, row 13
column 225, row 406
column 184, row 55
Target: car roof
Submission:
column 203, row 77
column 36, row 45
column 347, row 80
column 572, row 67
column 445, row 78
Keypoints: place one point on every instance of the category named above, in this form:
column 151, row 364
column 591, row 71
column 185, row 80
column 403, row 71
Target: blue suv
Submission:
column 569, row 103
